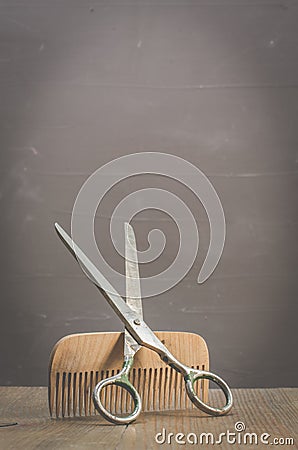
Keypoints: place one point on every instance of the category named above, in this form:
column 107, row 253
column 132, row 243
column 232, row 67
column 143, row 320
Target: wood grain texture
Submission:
column 273, row 411
column 79, row 361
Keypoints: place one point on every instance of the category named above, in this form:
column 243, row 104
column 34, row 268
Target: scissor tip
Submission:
column 58, row 228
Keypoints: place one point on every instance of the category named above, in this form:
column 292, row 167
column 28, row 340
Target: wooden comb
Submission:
column 79, row 361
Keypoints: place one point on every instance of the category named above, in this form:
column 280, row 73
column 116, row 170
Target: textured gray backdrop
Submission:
column 83, row 82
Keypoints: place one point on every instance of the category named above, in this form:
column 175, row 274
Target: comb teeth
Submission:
column 70, row 394
column 74, row 372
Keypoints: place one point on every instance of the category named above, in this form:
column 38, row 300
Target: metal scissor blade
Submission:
column 125, row 313
column 136, row 326
column 133, row 288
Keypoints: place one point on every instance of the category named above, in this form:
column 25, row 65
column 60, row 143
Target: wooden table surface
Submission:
column 272, row 411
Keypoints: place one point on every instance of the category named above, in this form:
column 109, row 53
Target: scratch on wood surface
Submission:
column 21, row 24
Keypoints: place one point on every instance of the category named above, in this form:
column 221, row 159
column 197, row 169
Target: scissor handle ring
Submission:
column 195, row 375
column 122, row 381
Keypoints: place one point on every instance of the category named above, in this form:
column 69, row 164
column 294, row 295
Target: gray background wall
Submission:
column 212, row 81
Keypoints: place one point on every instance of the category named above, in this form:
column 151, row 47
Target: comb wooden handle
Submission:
column 79, row 361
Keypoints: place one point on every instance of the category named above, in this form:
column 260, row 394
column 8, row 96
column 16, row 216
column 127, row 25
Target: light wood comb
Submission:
column 79, row 361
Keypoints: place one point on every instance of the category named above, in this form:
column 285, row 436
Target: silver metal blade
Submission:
column 133, row 287
column 111, row 295
column 136, row 326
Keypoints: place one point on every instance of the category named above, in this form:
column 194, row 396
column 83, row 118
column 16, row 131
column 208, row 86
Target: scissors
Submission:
column 137, row 334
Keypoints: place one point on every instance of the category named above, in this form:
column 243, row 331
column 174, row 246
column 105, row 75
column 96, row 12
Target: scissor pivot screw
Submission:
column 137, row 322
